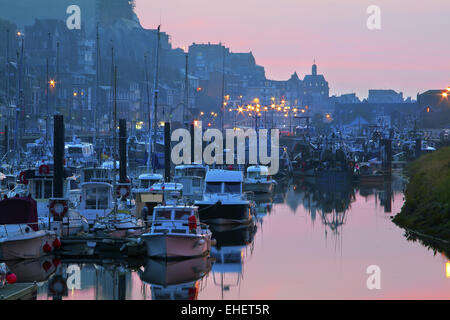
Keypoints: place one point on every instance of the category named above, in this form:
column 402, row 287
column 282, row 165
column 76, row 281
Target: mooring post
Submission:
column 123, row 151
column 418, row 148
column 167, row 150
column 124, row 186
column 387, row 157
column 192, row 127
column 58, row 205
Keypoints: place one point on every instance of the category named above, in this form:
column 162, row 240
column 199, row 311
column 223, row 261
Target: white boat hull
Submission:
column 26, row 247
column 177, row 246
column 258, row 187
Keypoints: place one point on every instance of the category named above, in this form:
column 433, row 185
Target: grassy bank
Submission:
column 427, row 196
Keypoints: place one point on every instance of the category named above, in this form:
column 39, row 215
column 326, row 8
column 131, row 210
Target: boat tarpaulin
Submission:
column 19, row 211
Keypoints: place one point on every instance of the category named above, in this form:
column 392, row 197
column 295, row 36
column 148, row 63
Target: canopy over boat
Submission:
column 224, row 176
column 19, row 211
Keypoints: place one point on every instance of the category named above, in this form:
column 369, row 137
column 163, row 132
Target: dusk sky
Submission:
column 411, row 52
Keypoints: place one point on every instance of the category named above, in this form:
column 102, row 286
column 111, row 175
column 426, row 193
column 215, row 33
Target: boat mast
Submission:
column 222, row 107
column 155, row 102
column 115, row 139
column 97, row 67
column 186, row 91
column 148, row 111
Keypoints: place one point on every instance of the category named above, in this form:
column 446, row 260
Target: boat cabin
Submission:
column 257, row 172
column 96, row 175
column 223, row 182
column 147, row 180
column 192, row 177
column 158, row 193
column 96, row 200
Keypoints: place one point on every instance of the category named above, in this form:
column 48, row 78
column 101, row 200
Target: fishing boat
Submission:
column 79, row 153
column 158, row 193
column 20, row 236
column 176, row 232
column 38, row 183
column 258, row 180
column 146, row 181
column 223, row 200
column 192, row 177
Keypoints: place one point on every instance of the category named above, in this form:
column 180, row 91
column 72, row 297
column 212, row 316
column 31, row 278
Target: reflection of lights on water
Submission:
column 447, row 269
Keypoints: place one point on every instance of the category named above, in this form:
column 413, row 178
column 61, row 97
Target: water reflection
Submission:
column 234, row 244
column 289, row 254
column 36, row 270
column 175, row 280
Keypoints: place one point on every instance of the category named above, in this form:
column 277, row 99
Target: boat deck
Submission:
column 18, row 291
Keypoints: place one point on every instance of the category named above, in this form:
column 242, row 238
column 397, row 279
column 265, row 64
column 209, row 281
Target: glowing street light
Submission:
column 52, row 83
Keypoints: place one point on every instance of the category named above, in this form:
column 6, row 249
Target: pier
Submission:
column 18, row 291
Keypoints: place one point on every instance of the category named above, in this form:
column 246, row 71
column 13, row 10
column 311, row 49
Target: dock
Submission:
column 18, row 291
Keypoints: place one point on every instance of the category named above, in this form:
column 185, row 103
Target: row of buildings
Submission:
column 47, row 68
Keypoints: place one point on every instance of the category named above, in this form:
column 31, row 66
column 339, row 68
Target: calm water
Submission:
column 310, row 242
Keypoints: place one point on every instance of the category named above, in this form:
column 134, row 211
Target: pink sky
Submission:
column 410, row 53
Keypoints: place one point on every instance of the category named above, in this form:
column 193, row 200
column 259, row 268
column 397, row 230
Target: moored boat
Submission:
column 20, row 237
column 258, row 180
column 176, row 232
column 223, row 200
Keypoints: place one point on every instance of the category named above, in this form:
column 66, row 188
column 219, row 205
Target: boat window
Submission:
column 163, row 215
column 73, row 185
column 91, row 199
column 213, row 187
column 48, row 189
column 182, row 214
column 253, row 175
column 88, row 175
column 102, row 195
column 232, row 187
column 97, row 198
column 74, row 150
column 145, row 184
column 38, row 189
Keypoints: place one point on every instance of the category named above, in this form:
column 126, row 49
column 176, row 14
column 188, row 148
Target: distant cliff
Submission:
column 427, row 196
column 104, row 12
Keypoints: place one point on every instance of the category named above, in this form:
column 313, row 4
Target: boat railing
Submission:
column 24, row 228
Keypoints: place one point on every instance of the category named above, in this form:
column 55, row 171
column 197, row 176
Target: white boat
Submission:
column 258, row 180
column 223, row 200
column 176, row 232
column 20, row 237
column 147, row 199
column 146, row 181
column 192, row 177
column 96, row 200
column 79, row 153
column 39, row 184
